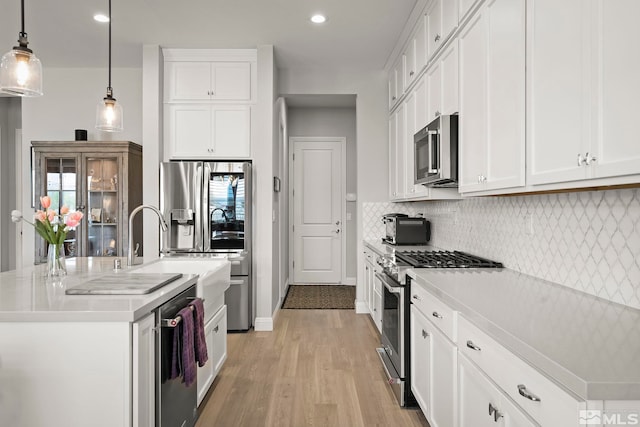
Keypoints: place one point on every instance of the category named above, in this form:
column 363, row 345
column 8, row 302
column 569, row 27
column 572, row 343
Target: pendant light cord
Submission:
column 22, row 18
column 110, row 89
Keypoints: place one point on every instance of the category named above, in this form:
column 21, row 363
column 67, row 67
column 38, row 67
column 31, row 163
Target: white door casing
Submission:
column 317, row 200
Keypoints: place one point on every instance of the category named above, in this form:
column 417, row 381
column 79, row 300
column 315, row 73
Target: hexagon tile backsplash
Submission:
column 589, row 241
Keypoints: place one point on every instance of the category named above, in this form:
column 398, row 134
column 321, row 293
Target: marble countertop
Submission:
column 587, row 345
column 27, row 295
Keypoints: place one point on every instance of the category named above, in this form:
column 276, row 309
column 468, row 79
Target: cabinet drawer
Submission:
column 541, row 398
column 435, row 310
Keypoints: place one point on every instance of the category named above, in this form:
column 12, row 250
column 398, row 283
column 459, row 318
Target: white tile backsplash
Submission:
column 589, row 241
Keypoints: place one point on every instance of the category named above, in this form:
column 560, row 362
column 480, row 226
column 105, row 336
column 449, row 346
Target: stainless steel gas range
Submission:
column 394, row 352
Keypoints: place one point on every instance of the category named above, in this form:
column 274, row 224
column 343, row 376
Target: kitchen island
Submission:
column 78, row 360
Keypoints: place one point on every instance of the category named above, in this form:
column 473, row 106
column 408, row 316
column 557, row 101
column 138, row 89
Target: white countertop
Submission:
column 27, row 295
column 587, row 345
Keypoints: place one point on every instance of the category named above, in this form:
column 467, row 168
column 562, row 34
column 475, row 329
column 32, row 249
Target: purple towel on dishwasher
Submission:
column 200, row 340
column 183, row 354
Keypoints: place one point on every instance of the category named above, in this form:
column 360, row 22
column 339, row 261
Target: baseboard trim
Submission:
column 351, row 281
column 264, row 324
column 362, row 307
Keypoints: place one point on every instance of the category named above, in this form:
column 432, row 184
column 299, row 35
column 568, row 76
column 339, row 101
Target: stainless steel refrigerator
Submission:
column 207, row 206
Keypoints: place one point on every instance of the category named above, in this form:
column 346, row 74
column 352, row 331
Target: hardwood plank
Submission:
column 317, row 368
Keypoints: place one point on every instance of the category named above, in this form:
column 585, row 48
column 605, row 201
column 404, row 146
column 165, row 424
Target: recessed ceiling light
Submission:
column 101, row 18
column 318, row 19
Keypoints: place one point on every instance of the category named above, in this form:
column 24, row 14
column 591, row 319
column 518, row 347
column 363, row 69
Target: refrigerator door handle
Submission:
column 205, row 233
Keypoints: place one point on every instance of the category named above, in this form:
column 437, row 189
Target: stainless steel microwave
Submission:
column 436, row 153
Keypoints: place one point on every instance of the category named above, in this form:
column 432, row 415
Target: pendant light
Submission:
column 20, row 70
column 109, row 112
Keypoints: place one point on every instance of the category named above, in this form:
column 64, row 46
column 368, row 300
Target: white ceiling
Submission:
column 359, row 34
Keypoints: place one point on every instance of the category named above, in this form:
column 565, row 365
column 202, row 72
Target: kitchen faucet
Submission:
column 132, row 256
column 224, row 214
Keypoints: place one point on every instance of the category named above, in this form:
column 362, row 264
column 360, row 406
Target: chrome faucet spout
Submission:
column 132, row 256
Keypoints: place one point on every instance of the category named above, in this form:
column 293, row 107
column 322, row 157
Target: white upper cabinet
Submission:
column 492, row 98
column 442, row 19
column 207, row 81
column 415, row 119
column 416, row 53
column 396, row 85
column 583, row 62
column 617, row 87
column 558, row 92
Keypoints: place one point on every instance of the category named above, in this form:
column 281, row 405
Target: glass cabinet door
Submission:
column 102, row 206
column 61, row 184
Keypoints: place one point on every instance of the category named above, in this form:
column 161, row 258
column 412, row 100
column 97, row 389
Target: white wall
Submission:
column 69, row 103
column 370, row 88
column 340, row 122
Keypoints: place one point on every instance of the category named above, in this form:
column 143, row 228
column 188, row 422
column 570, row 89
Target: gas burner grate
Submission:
column 445, row 259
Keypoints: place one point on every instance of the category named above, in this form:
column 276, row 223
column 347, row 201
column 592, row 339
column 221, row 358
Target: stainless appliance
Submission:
column 396, row 304
column 208, row 208
column 436, row 153
column 176, row 404
column 403, row 230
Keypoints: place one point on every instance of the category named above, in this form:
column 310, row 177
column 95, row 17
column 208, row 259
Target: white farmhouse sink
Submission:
column 214, row 277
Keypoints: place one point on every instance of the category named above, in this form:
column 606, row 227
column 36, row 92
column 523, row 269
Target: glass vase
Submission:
column 56, row 265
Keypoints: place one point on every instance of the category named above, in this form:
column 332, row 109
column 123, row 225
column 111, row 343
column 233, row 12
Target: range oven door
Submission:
column 393, row 327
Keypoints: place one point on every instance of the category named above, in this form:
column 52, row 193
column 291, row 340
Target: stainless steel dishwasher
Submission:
column 176, row 404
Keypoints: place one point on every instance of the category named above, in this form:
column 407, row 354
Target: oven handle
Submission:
column 386, row 285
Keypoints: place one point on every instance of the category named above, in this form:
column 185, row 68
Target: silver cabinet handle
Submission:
column 436, row 315
column 437, row 39
column 425, row 334
column 492, row 409
column 411, row 73
column 417, row 298
column 580, row 159
column 588, row 159
column 437, row 113
column 393, row 98
column 337, row 231
column 522, row 389
column 472, row 346
column 216, row 328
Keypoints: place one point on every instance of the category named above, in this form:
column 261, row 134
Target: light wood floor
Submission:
column 317, row 368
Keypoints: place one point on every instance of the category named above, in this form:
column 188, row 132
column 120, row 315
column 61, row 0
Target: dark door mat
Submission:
column 320, row 297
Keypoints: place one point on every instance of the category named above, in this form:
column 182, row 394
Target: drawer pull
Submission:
column 417, row 298
column 522, row 389
column 472, row 346
column 425, row 334
column 216, row 328
column 437, row 315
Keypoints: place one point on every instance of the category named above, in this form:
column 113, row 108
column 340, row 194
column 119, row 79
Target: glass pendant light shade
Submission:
column 109, row 115
column 20, row 73
column 20, row 70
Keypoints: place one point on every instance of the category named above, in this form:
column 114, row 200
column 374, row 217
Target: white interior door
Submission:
column 317, row 210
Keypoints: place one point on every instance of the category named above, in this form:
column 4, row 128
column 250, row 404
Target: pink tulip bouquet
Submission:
column 51, row 225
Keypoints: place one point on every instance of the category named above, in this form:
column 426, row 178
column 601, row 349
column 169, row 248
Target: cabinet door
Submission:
column 479, row 400
column 434, row 27
column 377, row 307
column 413, row 111
column 421, row 360
column 472, row 123
column 434, row 91
column 144, row 372
column 401, row 142
column 367, row 285
column 393, row 141
column 216, row 337
column 231, row 131
column 505, row 91
column 449, row 72
column 444, row 362
column 103, row 203
column 58, row 176
column 420, row 43
column 393, row 96
column 410, row 71
column 187, row 81
column 617, row 53
column 188, row 130
column 492, row 98
column 558, row 96
column 231, row 81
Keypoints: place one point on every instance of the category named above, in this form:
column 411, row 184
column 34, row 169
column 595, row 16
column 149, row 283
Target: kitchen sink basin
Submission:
column 124, row 284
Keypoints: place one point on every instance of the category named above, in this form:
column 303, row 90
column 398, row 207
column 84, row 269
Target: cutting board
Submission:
column 124, row 284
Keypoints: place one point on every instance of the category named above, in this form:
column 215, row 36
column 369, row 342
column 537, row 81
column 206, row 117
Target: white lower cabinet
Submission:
column 377, row 303
column 144, row 367
column 482, row 404
column 433, row 370
column 216, row 336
